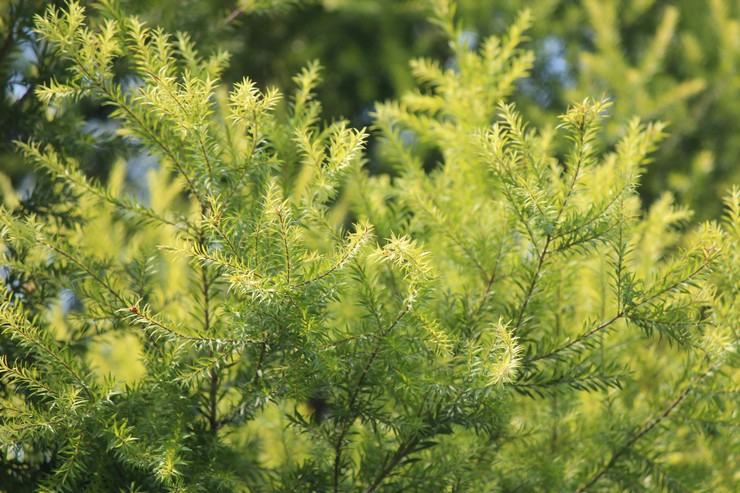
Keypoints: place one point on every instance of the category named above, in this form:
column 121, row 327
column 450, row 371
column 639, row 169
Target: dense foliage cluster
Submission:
column 496, row 313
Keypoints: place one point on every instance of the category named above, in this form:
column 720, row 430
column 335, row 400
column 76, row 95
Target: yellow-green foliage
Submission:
column 505, row 319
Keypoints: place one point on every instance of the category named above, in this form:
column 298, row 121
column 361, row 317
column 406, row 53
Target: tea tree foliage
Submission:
column 508, row 319
column 680, row 65
column 673, row 61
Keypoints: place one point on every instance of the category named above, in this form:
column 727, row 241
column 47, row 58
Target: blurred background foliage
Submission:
column 675, row 61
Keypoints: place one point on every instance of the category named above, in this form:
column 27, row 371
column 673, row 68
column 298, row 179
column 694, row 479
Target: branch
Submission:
column 172, row 96
column 353, row 398
column 672, row 285
column 532, row 284
column 17, row 321
column 120, row 103
column 284, row 235
column 210, row 340
column 549, row 238
column 578, row 339
column 645, row 429
column 233, row 15
column 400, row 454
column 345, row 256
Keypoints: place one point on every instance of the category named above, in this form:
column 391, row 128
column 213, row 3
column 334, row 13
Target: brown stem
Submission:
column 233, row 15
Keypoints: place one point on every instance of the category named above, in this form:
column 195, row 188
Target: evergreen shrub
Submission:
column 268, row 316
